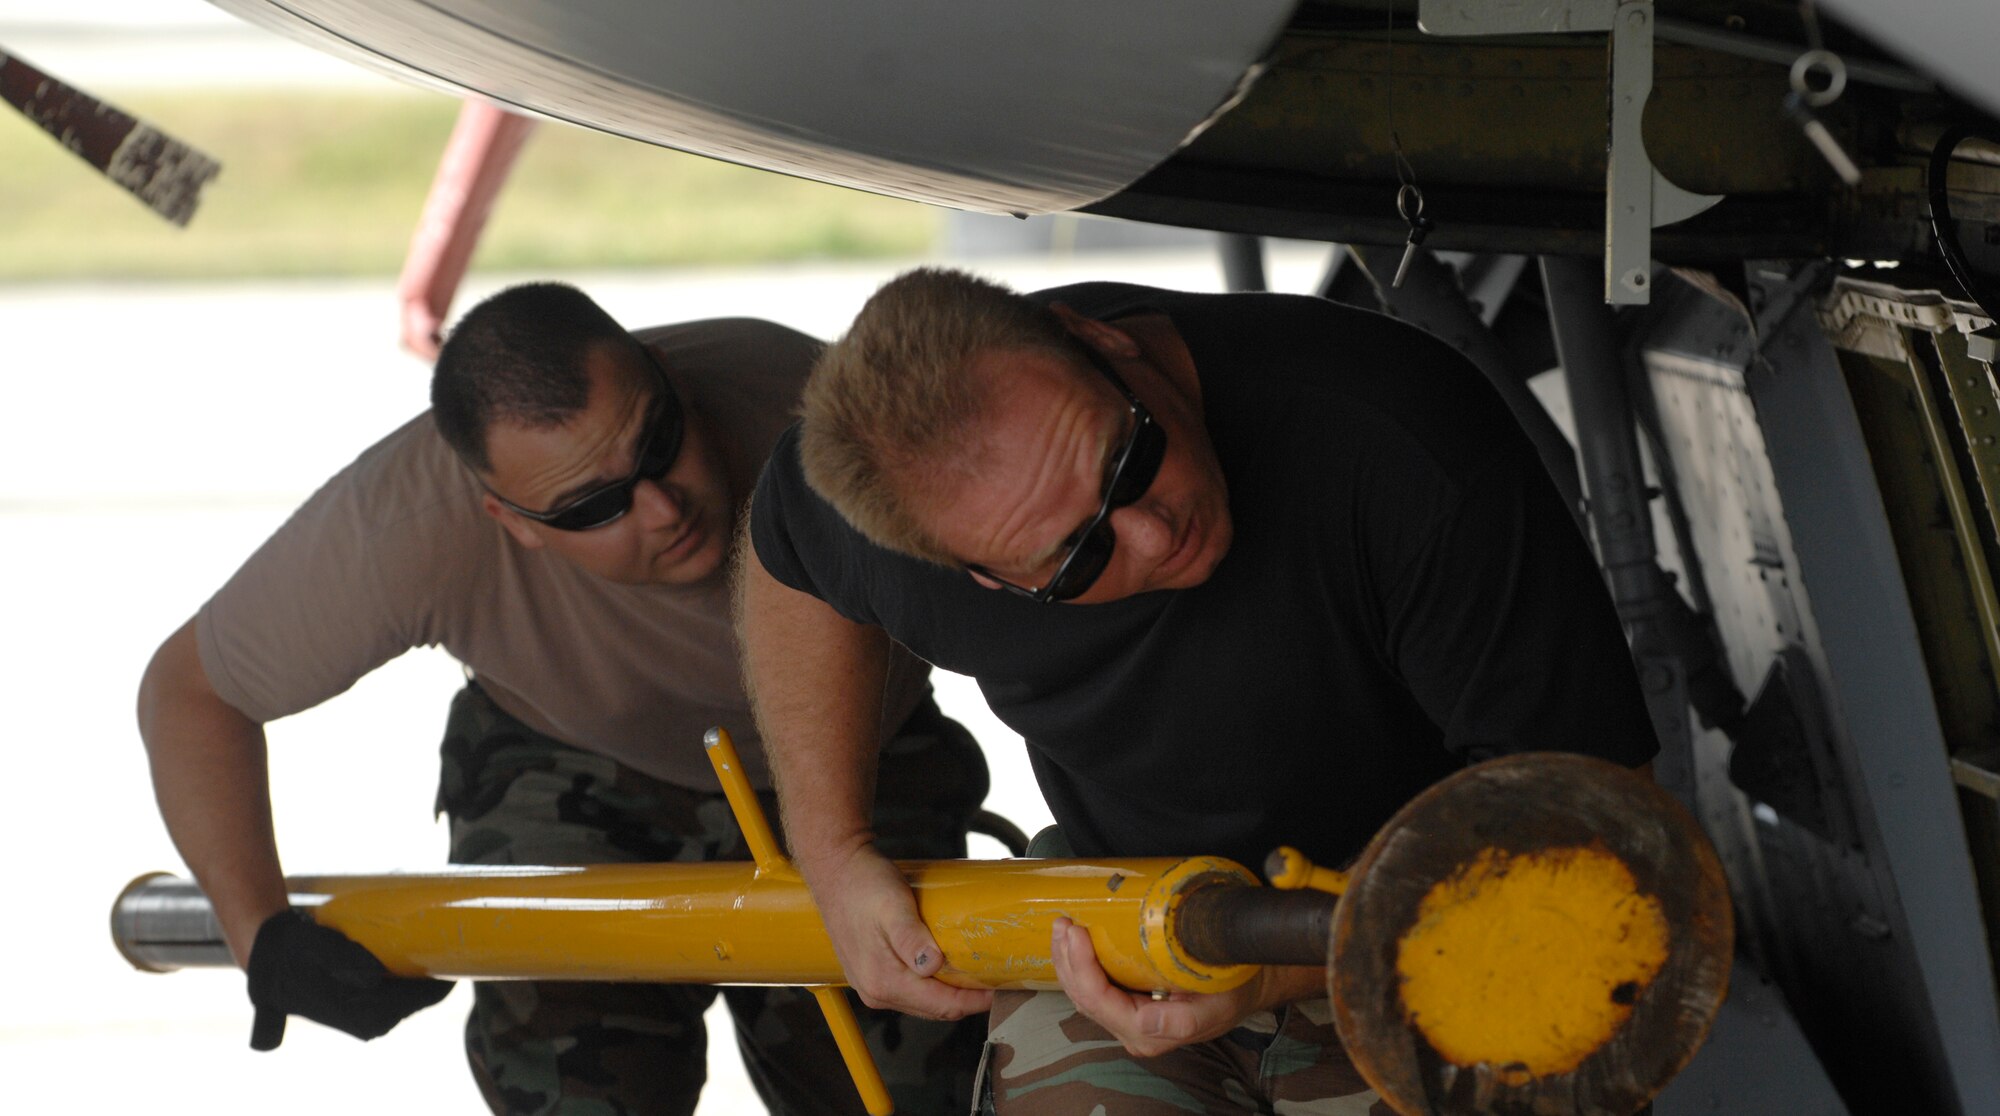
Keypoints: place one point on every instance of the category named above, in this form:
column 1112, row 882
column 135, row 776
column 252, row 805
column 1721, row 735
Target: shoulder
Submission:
column 783, row 514
column 1327, row 371
column 803, row 542
column 359, row 573
column 406, row 507
column 792, row 527
column 1106, row 300
column 784, row 503
column 732, row 348
column 743, row 374
column 410, row 475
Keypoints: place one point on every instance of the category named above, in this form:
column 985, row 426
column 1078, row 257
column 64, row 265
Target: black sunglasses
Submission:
column 1132, row 472
column 659, row 446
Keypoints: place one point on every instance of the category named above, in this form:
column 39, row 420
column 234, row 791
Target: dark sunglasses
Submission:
column 1132, row 472
column 659, row 446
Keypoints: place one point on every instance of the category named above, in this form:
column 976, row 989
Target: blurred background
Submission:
column 170, row 395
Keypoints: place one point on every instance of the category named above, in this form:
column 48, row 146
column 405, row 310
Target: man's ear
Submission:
column 1102, row 336
column 513, row 524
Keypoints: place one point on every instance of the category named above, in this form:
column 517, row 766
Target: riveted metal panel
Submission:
column 1878, row 943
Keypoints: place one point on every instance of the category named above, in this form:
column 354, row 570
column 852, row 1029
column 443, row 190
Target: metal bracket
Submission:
column 1637, row 197
column 1463, row 18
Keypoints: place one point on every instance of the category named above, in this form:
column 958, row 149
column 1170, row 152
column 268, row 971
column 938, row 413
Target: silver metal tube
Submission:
column 161, row 923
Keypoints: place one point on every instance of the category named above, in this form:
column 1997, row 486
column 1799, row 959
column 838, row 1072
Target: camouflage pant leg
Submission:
column 928, row 1066
column 1045, row 1057
column 576, row 1048
column 516, row 797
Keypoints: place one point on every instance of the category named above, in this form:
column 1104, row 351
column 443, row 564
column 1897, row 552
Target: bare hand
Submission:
column 886, row 950
column 423, row 322
column 1149, row 1027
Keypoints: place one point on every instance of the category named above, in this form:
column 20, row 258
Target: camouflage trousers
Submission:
column 580, row 1048
column 1044, row 1056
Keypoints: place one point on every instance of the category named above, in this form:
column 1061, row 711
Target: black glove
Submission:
column 298, row 967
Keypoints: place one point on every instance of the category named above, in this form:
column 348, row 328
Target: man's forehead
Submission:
column 567, row 451
column 611, row 372
column 1021, row 454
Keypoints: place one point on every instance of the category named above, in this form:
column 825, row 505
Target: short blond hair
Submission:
column 891, row 408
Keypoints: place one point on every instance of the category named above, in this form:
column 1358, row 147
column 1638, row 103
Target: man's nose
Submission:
column 657, row 504
column 1142, row 529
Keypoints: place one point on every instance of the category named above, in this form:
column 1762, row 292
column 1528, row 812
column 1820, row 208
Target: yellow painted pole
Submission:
column 757, row 834
column 1582, row 947
column 771, row 862
column 854, row 1050
column 720, row 922
column 736, row 922
column 1290, row 870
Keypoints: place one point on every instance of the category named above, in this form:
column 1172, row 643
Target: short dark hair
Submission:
column 520, row 355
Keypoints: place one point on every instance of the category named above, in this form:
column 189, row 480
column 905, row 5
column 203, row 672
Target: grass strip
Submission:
column 331, row 184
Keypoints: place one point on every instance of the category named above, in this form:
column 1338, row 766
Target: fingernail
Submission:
column 1155, row 1022
column 923, row 959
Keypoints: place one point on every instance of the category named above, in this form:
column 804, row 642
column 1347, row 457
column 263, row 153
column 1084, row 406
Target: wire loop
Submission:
column 1836, row 77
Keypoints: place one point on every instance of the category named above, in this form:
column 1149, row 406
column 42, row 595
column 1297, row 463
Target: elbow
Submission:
column 152, row 686
column 173, row 678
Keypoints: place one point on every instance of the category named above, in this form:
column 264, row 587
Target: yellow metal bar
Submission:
column 854, row 1050
column 724, row 923
column 1290, row 870
column 743, row 802
column 771, row 863
column 1631, row 895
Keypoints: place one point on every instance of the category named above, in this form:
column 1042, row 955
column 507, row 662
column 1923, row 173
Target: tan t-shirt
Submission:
column 394, row 552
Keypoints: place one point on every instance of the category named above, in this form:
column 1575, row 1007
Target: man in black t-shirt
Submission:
column 1308, row 564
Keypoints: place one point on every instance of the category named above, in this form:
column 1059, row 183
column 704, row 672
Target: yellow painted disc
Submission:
column 1538, row 933
column 1532, row 960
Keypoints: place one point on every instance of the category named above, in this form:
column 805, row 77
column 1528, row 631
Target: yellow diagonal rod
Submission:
column 743, row 802
column 771, row 863
column 1289, row 870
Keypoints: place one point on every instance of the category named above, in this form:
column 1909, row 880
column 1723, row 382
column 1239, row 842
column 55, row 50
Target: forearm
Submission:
column 815, row 680
column 210, row 779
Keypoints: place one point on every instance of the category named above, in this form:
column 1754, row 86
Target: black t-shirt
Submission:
column 1405, row 592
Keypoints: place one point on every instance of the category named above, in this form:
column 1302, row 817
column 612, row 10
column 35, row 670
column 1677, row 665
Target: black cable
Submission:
column 1943, row 228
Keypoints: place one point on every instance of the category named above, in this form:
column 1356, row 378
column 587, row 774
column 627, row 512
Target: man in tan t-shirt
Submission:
column 559, row 521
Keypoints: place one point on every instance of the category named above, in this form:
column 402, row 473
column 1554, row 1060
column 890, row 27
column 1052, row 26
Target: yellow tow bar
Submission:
column 1537, row 932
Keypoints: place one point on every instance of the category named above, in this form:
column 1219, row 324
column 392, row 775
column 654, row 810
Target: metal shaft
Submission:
column 732, row 923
